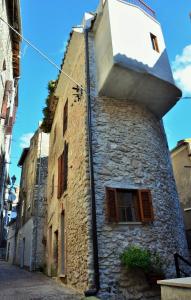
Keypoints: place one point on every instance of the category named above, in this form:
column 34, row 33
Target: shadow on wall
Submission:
column 161, row 68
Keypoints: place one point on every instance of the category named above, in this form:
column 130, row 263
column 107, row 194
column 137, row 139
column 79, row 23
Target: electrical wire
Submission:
column 44, row 55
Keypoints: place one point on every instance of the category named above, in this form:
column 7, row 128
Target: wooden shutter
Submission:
column 111, row 206
column 59, row 177
column 65, row 167
column 65, row 117
column 14, row 113
column 146, row 207
column 4, row 107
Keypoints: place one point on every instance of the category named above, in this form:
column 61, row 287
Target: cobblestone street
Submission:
column 19, row 284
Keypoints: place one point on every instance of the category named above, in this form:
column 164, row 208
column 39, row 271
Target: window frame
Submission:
column 62, row 172
column 154, row 42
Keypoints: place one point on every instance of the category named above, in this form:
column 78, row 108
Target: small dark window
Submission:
column 52, row 187
column 123, row 205
column 128, row 206
column 54, row 139
column 65, row 117
column 154, row 42
column 4, row 65
column 188, row 236
column 63, row 171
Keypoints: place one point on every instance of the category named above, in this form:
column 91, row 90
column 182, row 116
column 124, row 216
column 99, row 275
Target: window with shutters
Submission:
column 125, row 205
column 63, row 171
column 65, row 117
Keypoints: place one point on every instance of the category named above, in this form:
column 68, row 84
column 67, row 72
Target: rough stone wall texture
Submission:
column 74, row 201
column 33, row 201
column 40, row 210
column 130, row 150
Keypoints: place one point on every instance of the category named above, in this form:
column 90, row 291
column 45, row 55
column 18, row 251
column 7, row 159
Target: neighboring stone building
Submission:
column 32, row 203
column 9, row 76
column 110, row 179
column 181, row 162
column 12, row 207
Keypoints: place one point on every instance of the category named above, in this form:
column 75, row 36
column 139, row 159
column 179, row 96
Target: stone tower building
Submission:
column 110, row 180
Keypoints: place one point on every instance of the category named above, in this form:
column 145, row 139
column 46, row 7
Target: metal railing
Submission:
column 180, row 264
column 144, row 6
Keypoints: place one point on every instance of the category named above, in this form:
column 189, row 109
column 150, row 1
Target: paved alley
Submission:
column 19, row 284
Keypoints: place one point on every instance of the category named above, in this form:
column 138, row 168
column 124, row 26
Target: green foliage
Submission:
column 48, row 114
column 135, row 257
column 51, row 86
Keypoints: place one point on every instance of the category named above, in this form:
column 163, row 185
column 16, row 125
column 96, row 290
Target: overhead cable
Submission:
column 43, row 55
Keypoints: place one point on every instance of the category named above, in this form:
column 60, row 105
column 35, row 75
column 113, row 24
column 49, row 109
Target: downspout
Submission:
column 94, row 291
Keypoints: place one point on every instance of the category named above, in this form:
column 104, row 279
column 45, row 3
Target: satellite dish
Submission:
column 12, row 197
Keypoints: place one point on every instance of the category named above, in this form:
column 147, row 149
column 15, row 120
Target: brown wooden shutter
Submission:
column 14, row 113
column 65, row 117
column 111, row 206
column 59, row 177
column 65, row 167
column 4, row 107
column 8, row 89
column 146, row 207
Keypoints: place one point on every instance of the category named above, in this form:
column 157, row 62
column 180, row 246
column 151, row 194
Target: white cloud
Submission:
column 64, row 45
column 25, row 140
column 182, row 70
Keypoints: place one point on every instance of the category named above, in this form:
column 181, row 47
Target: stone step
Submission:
column 175, row 289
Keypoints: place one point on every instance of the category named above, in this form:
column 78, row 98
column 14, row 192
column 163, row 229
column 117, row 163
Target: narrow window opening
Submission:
column 65, row 117
column 63, row 171
column 154, row 42
column 52, row 187
column 4, row 65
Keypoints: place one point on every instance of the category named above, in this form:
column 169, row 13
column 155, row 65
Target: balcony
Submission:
column 131, row 58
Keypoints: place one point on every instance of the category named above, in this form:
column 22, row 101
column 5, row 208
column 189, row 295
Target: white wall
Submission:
column 25, row 232
column 130, row 30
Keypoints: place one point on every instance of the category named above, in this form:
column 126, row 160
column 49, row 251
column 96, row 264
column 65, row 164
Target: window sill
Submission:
column 130, row 223
column 62, row 275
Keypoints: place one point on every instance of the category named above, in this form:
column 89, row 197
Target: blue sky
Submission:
column 47, row 25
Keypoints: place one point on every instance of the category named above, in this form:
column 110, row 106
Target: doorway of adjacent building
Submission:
column 62, row 234
column 55, row 254
column 8, row 250
column 22, row 257
column 50, row 251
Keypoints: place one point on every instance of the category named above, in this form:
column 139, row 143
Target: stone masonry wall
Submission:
column 40, row 210
column 74, row 203
column 33, row 206
column 130, row 151
column 5, row 55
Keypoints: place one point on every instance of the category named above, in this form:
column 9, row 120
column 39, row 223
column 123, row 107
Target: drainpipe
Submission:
column 94, row 291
